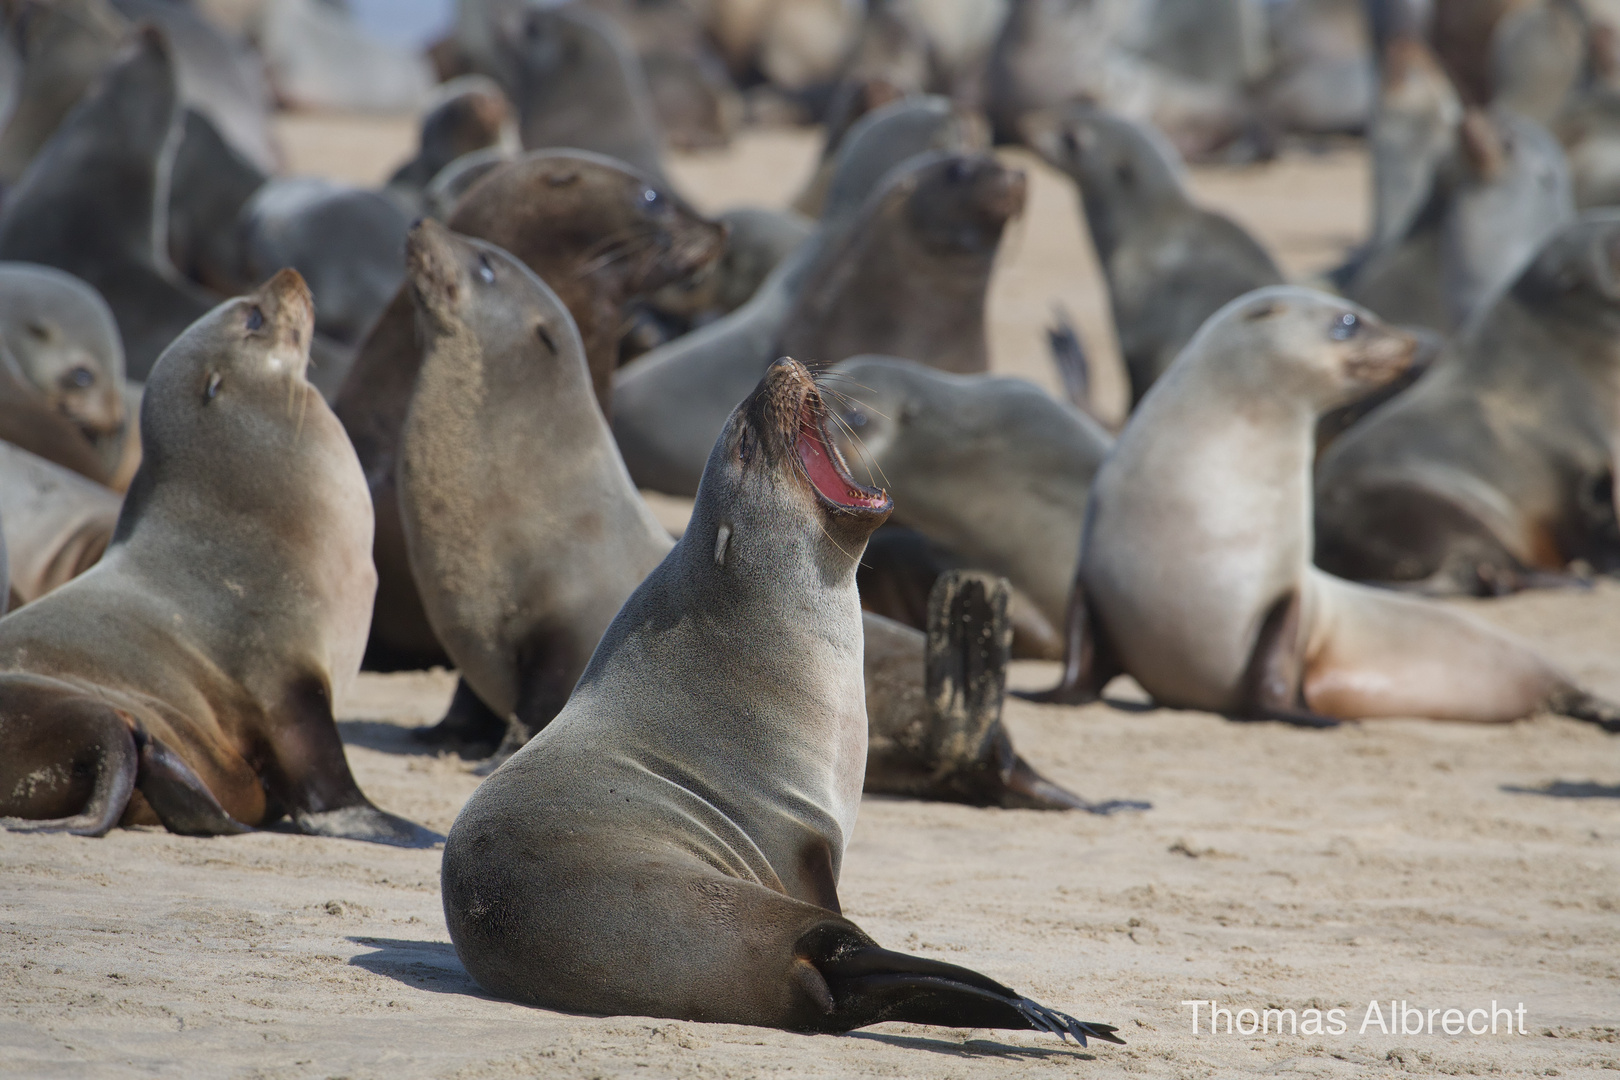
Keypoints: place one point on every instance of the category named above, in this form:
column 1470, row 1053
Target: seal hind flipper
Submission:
column 870, row 985
column 1578, row 704
column 969, row 642
column 1089, row 663
column 35, row 721
column 178, row 795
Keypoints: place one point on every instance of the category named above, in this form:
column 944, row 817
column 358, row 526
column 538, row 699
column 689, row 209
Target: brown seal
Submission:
column 1195, row 570
column 603, row 237
column 188, row 678
column 670, row 845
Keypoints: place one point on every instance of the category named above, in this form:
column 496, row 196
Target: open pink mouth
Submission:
column 827, row 472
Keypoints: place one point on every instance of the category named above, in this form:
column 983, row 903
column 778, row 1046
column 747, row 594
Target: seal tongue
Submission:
column 827, row 473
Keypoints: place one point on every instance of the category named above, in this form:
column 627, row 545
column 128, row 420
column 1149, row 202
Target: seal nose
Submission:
column 432, row 267
column 290, row 305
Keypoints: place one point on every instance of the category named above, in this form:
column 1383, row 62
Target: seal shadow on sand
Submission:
column 382, row 736
column 975, row 1049
column 1567, row 789
column 421, row 965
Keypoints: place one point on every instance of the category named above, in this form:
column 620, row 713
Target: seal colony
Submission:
column 676, row 731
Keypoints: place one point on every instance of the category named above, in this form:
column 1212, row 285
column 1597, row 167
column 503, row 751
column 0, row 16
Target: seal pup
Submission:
column 1496, row 470
column 604, row 238
column 1222, row 610
column 905, row 274
column 56, row 523
column 187, row 678
column 91, row 203
column 1168, row 263
column 990, row 468
column 521, row 607
column 63, row 371
column 686, row 860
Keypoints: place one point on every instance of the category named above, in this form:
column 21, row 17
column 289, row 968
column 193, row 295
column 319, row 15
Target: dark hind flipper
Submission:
column 1088, row 663
column 469, row 727
column 966, row 677
column 869, row 985
column 178, row 795
column 1578, row 704
column 310, row 776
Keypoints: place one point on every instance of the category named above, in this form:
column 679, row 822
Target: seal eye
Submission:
column 40, row 331
column 80, row 378
column 856, row 418
column 544, row 334
column 255, row 319
column 651, row 197
column 214, row 379
column 745, row 446
column 959, row 171
column 486, row 272
column 1345, row 327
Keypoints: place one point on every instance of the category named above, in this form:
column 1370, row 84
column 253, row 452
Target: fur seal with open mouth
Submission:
column 1195, row 569
column 188, row 678
column 670, row 845
column 92, row 202
column 1497, row 469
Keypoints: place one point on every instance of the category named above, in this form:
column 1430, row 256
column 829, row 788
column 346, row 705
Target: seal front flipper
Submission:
column 870, row 985
column 1089, row 663
column 311, row 777
column 1271, row 687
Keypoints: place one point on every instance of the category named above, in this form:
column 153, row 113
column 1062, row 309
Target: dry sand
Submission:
column 1442, row 865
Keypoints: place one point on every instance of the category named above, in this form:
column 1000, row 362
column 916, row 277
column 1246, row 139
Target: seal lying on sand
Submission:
column 1195, row 572
column 1498, row 467
column 188, row 678
column 670, row 845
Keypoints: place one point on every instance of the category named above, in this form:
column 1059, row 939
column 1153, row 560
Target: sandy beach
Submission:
column 1441, row 866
